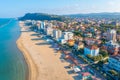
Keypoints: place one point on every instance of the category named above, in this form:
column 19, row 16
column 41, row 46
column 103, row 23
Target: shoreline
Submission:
column 42, row 62
column 32, row 69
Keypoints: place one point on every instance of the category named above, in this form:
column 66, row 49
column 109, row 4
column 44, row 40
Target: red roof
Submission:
column 92, row 47
column 86, row 74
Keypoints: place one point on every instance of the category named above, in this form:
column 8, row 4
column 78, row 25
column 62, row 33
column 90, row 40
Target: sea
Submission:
column 12, row 63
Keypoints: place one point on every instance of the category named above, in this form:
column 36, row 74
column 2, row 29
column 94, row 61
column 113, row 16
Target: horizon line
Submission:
column 61, row 14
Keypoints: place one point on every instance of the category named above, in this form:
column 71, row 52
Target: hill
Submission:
column 96, row 15
column 42, row 16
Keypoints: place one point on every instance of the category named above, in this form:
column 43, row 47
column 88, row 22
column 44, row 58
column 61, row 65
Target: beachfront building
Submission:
column 66, row 36
column 49, row 31
column 114, row 62
column 33, row 22
column 57, row 34
column 38, row 24
column 42, row 26
column 92, row 50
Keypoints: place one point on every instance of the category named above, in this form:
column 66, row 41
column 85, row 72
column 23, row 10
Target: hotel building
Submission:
column 57, row 34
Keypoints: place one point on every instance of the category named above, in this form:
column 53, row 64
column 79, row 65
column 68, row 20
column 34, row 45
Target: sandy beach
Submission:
column 42, row 62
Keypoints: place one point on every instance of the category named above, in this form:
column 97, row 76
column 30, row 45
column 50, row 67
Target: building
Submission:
column 98, row 36
column 71, row 42
column 92, row 50
column 49, row 31
column 38, row 24
column 118, row 37
column 57, row 34
column 112, row 47
column 78, row 38
column 88, row 35
column 114, row 62
column 63, row 41
column 66, row 36
column 85, row 76
column 111, row 35
column 89, row 41
column 42, row 26
column 79, row 45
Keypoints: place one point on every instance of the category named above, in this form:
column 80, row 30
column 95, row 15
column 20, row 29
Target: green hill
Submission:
column 42, row 16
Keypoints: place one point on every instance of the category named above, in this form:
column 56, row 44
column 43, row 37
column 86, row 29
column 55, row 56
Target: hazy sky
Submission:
column 15, row 8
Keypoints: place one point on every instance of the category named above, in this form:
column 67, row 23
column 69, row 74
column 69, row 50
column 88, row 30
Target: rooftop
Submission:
column 111, row 43
column 117, row 57
column 85, row 74
column 92, row 47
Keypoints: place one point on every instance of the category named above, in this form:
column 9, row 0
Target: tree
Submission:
column 104, row 53
column 81, row 50
column 100, row 63
column 104, row 75
column 100, row 56
column 77, row 33
column 105, row 61
column 113, row 72
column 95, row 58
column 97, row 68
column 89, row 56
column 103, row 40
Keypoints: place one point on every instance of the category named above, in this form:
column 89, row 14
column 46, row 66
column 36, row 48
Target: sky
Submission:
column 17, row 8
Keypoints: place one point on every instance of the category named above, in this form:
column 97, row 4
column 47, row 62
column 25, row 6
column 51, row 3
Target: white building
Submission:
column 111, row 35
column 42, row 25
column 114, row 62
column 66, row 36
column 57, row 34
column 50, row 25
column 38, row 23
column 33, row 22
column 63, row 41
column 92, row 50
column 49, row 31
column 88, row 34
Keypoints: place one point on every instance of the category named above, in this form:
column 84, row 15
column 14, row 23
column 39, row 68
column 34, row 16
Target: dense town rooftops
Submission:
column 117, row 57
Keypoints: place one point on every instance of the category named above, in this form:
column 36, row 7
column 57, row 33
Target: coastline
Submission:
column 32, row 70
column 42, row 62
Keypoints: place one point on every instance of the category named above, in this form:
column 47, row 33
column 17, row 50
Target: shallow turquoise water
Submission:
column 12, row 63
